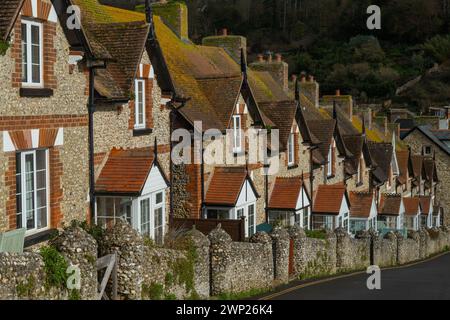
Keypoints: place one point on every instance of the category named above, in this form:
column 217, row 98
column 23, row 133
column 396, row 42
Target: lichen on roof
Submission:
column 372, row 135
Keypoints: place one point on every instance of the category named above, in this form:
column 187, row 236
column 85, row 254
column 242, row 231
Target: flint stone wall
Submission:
column 352, row 254
column 240, row 266
column 385, row 250
column 313, row 257
column 408, row 250
column 143, row 266
column 23, row 276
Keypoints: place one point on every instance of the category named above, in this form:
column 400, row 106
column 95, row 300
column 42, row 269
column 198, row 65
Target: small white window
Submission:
column 139, row 122
column 330, row 161
column 291, row 149
column 31, row 53
column 237, row 134
column 32, row 190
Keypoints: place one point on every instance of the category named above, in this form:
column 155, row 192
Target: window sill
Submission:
column 36, row 92
column 359, row 184
column 142, row 132
column 292, row 167
column 331, row 177
column 39, row 237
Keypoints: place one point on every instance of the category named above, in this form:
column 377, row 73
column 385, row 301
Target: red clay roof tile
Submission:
column 125, row 171
column 361, row 203
column 285, row 193
column 328, row 199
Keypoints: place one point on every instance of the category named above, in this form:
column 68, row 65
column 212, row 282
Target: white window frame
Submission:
column 29, row 82
column 137, row 101
column 291, row 149
column 23, row 198
column 237, row 134
column 330, row 161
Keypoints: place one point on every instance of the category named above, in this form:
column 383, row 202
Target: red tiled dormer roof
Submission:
column 328, row 199
column 412, row 205
column 361, row 203
column 226, row 185
column 125, row 171
column 425, row 203
column 285, row 193
column 390, row 204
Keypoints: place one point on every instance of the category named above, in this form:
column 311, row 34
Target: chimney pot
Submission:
column 278, row 57
column 294, row 78
column 269, row 58
column 302, row 78
column 260, row 58
column 338, row 92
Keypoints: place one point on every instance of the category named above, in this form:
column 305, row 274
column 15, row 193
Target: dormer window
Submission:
column 360, row 174
column 291, row 150
column 139, row 119
column 330, row 161
column 32, row 53
column 237, row 138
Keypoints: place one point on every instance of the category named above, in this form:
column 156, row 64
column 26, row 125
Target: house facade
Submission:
column 43, row 122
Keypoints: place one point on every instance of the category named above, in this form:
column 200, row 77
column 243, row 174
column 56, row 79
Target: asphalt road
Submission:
column 428, row 280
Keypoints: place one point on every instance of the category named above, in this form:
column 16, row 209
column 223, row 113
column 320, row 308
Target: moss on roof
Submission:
column 171, row 12
column 372, row 135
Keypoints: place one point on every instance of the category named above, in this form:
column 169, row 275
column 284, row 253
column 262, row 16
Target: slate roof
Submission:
column 417, row 165
column 355, row 145
column 118, row 36
column 430, row 170
column 404, row 166
column 412, row 205
column 323, row 130
column 328, row 199
column 361, row 203
column 381, row 153
column 210, row 80
column 282, row 114
column 225, row 186
column 425, row 203
column 427, row 132
column 125, row 171
column 390, row 204
column 9, row 9
column 285, row 193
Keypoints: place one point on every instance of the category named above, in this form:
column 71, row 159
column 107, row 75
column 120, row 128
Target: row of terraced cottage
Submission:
column 87, row 116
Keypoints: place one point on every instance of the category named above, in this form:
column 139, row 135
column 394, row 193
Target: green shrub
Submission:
column 25, row 289
column 316, row 234
column 4, row 46
column 154, row 292
column 55, row 267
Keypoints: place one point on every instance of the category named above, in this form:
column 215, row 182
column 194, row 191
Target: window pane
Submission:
column 19, row 221
column 30, row 220
column 41, row 180
column 35, row 35
column 29, row 165
column 35, row 55
column 159, row 226
column 24, row 54
column 42, row 218
column 159, row 198
column 36, row 73
column 41, row 198
column 145, row 217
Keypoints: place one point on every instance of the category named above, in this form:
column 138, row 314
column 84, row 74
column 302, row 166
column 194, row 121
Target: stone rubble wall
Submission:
column 240, row 266
column 24, row 277
column 195, row 266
